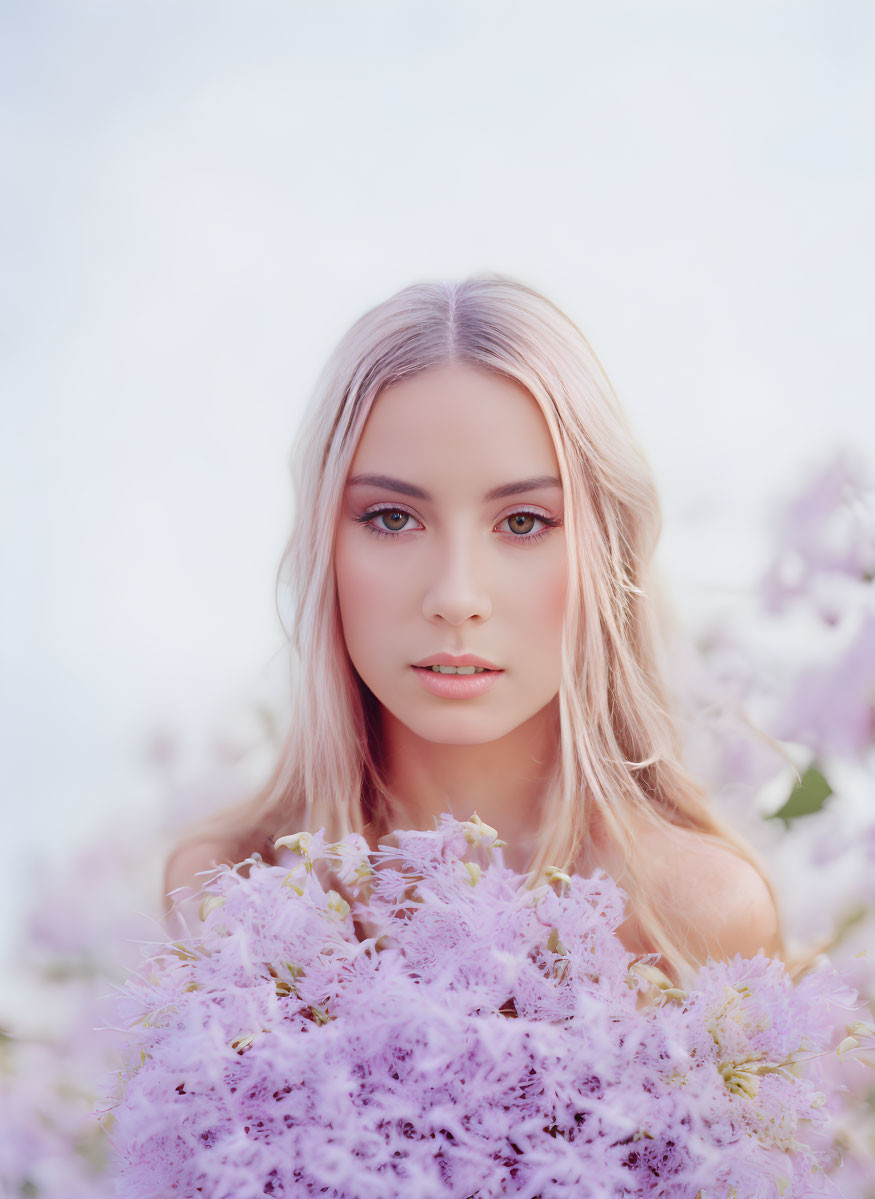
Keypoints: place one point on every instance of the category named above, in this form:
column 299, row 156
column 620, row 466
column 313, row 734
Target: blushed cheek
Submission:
column 352, row 585
column 551, row 615
column 366, row 598
column 365, row 587
column 551, row 591
column 559, row 595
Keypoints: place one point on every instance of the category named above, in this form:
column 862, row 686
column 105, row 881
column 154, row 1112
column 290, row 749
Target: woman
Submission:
column 469, row 495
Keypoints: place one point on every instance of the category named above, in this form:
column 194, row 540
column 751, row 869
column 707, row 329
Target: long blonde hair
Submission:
column 620, row 757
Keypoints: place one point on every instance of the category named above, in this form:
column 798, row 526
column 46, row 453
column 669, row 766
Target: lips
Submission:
column 458, row 687
column 455, row 660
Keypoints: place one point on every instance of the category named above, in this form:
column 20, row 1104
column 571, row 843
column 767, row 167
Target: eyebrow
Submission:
column 386, row 483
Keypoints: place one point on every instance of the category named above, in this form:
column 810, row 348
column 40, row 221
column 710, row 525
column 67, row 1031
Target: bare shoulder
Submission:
column 721, row 904
column 183, row 866
column 181, row 885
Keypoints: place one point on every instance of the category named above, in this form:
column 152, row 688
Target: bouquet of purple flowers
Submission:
column 416, row 1021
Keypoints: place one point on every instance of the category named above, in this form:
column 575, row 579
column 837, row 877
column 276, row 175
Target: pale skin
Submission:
column 451, row 541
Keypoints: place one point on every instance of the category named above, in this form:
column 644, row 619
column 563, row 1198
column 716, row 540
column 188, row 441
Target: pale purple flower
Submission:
column 482, row 1039
column 831, row 707
column 827, row 529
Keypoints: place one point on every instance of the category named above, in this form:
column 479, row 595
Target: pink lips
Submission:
column 457, row 686
column 456, row 660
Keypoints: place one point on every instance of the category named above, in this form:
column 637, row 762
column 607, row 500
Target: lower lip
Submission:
column 457, row 686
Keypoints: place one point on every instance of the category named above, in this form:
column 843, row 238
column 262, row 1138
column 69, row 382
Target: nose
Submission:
column 457, row 590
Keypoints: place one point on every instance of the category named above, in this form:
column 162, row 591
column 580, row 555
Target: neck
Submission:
column 503, row 781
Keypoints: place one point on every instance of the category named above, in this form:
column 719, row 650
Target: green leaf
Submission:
column 809, row 795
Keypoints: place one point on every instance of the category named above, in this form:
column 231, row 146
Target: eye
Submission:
column 392, row 521
column 522, row 523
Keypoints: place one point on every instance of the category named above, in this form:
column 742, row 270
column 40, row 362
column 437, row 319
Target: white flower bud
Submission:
column 337, row 904
column 209, row 904
column 241, row 1043
column 475, row 830
column 473, row 871
column 298, row 843
column 860, row 1028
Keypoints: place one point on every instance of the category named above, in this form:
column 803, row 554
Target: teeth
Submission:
column 458, row 669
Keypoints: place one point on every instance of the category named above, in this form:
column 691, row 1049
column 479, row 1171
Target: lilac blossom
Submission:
column 828, row 529
column 415, row 1020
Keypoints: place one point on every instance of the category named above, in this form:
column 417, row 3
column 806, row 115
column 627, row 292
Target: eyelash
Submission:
column 549, row 522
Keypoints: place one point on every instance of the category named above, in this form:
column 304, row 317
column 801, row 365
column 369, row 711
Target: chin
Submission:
column 458, row 729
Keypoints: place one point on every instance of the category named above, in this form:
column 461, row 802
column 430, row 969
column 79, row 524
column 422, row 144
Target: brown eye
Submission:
column 394, row 520
column 521, row 522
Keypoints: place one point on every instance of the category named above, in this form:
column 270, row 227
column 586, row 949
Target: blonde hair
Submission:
column 619, row 761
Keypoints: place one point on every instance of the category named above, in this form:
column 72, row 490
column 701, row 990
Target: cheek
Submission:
column 542, row 598
column 543, row 593
column 366, row 594
column 363, row 579
column 556, row 597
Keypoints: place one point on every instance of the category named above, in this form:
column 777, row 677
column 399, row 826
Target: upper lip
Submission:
column 456, row 660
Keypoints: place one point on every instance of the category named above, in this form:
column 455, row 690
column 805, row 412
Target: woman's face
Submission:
column 450, row 543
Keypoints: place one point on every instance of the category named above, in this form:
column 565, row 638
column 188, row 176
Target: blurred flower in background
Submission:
column 80, row 941
column 778, row 697
column 780, row 701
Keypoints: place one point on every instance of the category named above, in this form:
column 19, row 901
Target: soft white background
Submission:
column 198, row 198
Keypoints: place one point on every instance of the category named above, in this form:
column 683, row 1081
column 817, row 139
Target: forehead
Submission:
column 457, row 416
